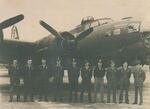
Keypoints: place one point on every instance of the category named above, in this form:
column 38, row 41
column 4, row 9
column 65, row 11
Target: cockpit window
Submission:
column 94, row 24
column 103, row 21
column 87, row 20
column 116, row 31
column 133, row 27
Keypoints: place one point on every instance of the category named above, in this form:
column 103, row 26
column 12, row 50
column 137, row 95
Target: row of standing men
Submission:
column 40, row 78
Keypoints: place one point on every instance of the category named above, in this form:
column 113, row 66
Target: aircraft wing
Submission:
column 16, row 49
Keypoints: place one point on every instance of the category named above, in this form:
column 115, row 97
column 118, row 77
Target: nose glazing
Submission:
column 146, row 40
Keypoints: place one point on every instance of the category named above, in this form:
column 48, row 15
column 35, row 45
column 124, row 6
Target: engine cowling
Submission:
column 69, row 44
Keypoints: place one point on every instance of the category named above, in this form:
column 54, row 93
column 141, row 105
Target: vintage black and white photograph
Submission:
column 74, row 54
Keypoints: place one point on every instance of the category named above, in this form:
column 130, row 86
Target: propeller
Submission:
column 58, row 35
column 9, row 22
column 84, row 34
column 68, row 40
column 1, row 36
column 50, row 29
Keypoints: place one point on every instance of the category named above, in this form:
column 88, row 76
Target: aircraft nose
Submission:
column 145, row 30
column 146, row 39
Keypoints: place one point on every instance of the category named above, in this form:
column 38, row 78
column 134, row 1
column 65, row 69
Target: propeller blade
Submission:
column 1, row 36
column 50, row 29
column 11, row 21
column 84, row 34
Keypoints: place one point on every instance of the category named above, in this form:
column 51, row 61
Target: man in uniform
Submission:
column 111, row 81
column 125, row 74
column 139, row 77
column 86, row 75
column 73, row 75
column 99, row 73
column 14, row 73
column 58, row 80
column 44, row 74
column 29, row 79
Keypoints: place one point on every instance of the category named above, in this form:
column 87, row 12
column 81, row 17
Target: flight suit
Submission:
column 139, row 77
column 99, row 82
column 86, row 75
column 58, row 74
column 111, row 76
column 44, row 74
column 124, row 84
column 73, row 75
column 29, row 79
column 14, row 74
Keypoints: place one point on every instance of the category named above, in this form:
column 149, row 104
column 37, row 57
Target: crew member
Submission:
column 44, row 74
column 86, row 75
column 99, row 73
column 14, row 74
column 58, row 80
column 29, row 78
column 73, row 75
column 139, row 77
column 111, row 81
column 125, row 74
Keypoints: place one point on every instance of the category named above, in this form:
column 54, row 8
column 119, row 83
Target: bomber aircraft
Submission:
column 104, row 38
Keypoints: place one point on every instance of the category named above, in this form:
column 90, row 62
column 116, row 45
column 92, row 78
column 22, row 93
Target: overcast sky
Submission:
column 66, row 14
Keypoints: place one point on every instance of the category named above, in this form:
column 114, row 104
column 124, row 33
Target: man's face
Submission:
column 43, row 61
column 112, row 64
column 15, row 62
column 125, row 65
column 99, row 64
column 29, row 62
column 86, row 65
column 100, row 60
column 138, row 66
column 73, row 59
